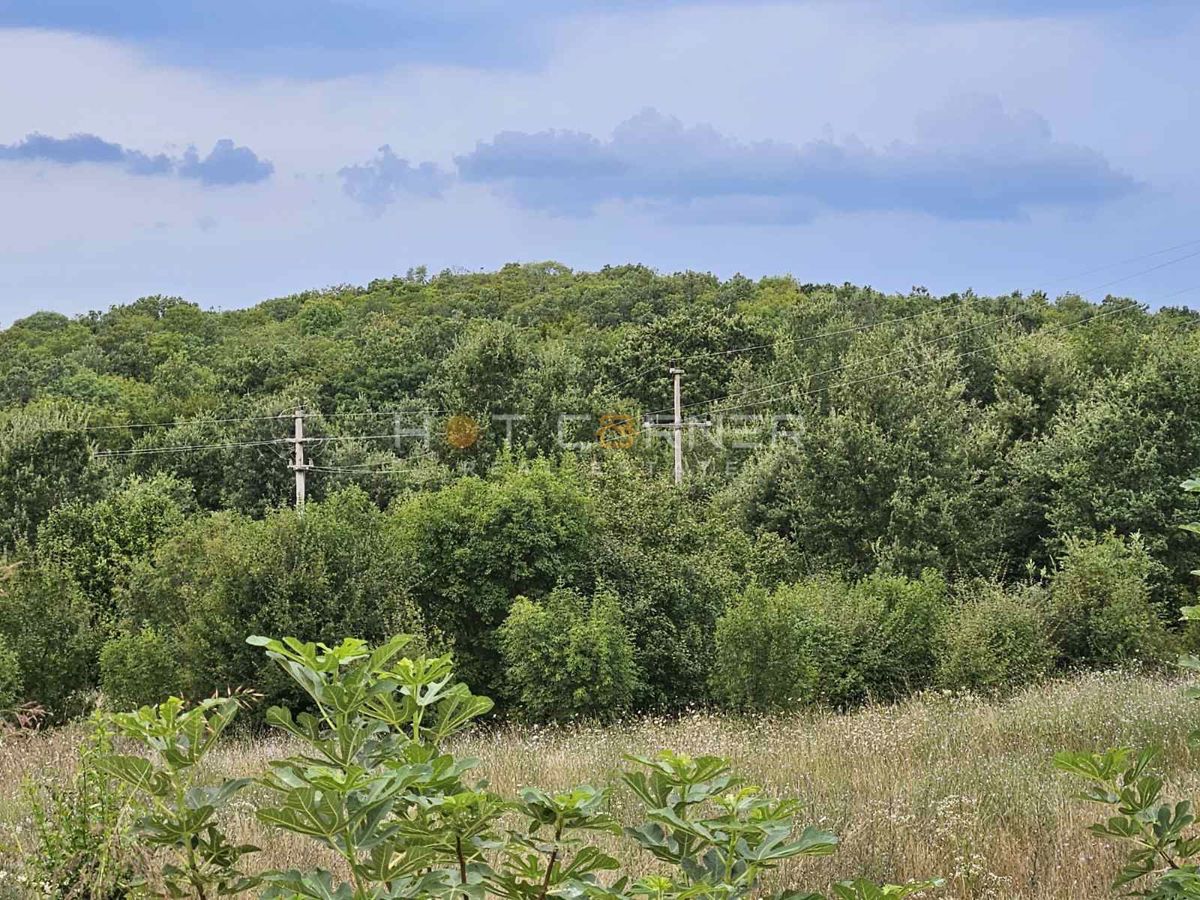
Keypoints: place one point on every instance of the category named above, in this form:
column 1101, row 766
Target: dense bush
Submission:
column 137, row 669
column 837, row 643
column 468, row 551
column 996, row 638
column 11, row 687
column 762, row 659
column 99, row 542
column 45, row 460
column 48, row 626
column 569, row 655
column 675, row 566
column 1102, row 610
column 332, row 568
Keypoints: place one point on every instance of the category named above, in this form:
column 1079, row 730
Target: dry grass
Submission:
column 939, row 785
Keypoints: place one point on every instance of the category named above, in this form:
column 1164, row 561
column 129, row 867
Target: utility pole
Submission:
column 678, row 426
column 299, row 466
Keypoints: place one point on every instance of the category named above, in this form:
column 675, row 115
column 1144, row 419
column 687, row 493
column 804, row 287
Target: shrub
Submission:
column 761, row 657
column 996, row 639
column 138, row 669
column 319, row 574
column 831, row 642
column 674, row 563
column 10, row 678
column 470, row 549
column 569, row 656
column 874, row 640
column 1100, row 596
column 97, row 542
column 46, row 624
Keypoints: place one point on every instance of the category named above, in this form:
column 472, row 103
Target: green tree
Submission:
column 98, row 542
column 762, row 659
column 674, row 562
column 1110, row 460
column 45, row 460
column 470, row 549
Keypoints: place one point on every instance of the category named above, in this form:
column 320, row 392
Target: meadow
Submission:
column 939, row 784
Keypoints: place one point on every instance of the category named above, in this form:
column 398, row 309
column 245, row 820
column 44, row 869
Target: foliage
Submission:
column 11, row 687
column 674, row 567
column 569, row 656
column 472, row 548
column 1102, row 610
column 330, row 569
column 45, row 460
column 138, row 669
column 838, row 643
column 98, row 542
column 1117, row 455
column 720, row 834
column 181, row 811
column 849, row 433
column 371, row 783
column 996, row 639
column 1158, row 830
column 83, row 844
column 1164, row 849
column 47, row 625
column 762, row 659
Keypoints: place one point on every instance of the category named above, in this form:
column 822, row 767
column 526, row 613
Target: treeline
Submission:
column 892, row 492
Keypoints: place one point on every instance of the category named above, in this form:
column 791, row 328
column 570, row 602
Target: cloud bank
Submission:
column 972, row 159
column 226, row 164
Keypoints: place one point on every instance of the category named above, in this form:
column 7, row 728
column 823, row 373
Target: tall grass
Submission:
column 941, row 784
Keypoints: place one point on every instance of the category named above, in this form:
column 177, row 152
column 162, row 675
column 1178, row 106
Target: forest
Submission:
column 882, row 493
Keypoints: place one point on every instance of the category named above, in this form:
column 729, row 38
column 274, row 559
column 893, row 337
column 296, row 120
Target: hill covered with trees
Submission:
column 883, row 492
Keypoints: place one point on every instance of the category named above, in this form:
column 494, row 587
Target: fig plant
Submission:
column 181, row 811
column 374, row 783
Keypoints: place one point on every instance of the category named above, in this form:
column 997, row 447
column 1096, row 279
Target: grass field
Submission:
column 939, row 785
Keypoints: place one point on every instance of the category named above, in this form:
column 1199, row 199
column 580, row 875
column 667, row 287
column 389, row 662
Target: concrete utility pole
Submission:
column 678, row 426
column 299, row 466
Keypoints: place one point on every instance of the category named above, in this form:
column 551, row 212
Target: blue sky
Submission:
column 230, row 152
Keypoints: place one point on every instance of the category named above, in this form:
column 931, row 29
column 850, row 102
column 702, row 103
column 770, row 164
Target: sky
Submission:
column 229, row 152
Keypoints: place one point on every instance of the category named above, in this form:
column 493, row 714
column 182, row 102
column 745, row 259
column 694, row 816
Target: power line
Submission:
column 188, row 448
column 384, row 468
column 1123, row 262
column 202, row 420
column 644, row 372
column 182, row 448
column 176, row 424
column 349, row 437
